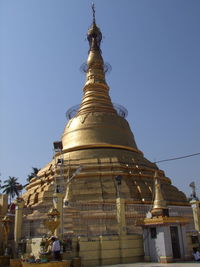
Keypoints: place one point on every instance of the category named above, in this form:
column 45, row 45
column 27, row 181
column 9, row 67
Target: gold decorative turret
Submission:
column 159, row 205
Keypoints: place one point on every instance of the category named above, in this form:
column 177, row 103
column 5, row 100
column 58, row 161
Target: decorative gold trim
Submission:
column 75, row 148
column 165, row 220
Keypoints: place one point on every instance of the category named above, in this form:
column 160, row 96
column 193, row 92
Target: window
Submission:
column 194, row 239
column 153, row 232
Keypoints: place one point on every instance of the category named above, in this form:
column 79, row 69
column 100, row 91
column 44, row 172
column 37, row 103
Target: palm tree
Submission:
column 33, row 174
column 12, row 187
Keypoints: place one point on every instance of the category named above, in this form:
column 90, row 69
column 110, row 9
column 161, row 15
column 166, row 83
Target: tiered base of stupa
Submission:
column 91, row 214
column 92, row 206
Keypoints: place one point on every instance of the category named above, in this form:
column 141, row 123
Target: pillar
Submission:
column 121, row 219
column 186, row 252
column 196, row 213
column 3, row 212
column 19, row 204
column 147, row 255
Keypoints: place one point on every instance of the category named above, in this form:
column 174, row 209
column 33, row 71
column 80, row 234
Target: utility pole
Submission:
column 59, row 199
column 58, row 193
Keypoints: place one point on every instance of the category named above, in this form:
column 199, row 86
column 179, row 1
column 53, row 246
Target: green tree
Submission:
column 32, row 174
column 12, row 187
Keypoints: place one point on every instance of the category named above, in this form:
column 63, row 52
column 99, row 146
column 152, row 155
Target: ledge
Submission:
column 65, row 263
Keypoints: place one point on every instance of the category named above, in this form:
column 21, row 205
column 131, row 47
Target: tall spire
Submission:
column 93, row 12
column 96, row 97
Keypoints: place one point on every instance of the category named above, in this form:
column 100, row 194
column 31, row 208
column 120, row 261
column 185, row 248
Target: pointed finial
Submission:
column 94, row 34
column 193, row 194
column 93, row 12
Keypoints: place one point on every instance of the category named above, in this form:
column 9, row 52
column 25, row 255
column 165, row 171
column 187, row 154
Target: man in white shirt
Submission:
column 56, row 248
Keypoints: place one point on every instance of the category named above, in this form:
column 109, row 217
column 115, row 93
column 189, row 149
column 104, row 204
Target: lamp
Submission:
column 118, row 181
column 60, row 161
column 67, row 195
column 57, row 146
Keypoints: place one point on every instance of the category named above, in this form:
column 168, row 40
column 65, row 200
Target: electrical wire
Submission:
column 183, row 157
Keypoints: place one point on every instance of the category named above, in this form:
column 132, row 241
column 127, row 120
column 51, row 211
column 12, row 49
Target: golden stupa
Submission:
column 99, row 139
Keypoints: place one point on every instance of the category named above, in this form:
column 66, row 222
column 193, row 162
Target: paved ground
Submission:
column 142, row 264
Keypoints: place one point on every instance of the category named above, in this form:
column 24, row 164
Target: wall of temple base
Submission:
column 102, row 250
column 106, row 250
column 95, row 219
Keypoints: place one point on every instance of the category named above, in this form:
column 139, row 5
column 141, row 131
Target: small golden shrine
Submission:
column 165, row 236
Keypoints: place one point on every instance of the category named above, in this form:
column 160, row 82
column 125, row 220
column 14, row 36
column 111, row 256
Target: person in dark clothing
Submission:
column 56, row 248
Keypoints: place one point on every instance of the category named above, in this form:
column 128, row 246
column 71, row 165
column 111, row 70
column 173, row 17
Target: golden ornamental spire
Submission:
column 159, row 204
column 96, row 97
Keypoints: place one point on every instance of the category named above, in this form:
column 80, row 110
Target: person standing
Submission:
column 56, row 248
column 196, row 254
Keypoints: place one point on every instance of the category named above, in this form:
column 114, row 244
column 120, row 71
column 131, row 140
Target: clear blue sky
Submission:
column 154, row 50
